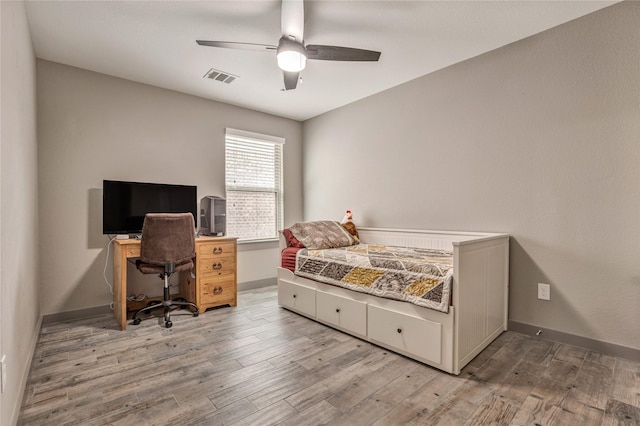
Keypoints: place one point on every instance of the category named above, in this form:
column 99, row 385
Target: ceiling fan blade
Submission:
column 292, row 19
column 238, row 45
column 337, row 53
column 290, row 80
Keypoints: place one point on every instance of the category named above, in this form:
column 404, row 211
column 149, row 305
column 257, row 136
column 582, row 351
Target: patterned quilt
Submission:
column 419, row 276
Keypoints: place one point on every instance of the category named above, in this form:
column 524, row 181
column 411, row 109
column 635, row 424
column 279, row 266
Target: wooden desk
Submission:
column 215, row 269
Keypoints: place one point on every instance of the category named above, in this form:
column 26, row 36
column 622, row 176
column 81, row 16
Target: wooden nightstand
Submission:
column 216, row 273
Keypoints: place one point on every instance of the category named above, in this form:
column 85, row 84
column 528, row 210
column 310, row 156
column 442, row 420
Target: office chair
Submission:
column 168, row 245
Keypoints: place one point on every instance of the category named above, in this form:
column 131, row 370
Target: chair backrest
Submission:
column 167, row 238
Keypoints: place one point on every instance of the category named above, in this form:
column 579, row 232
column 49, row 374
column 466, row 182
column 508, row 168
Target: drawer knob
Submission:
column 338, row 310
column 216, row 266
column 295, row 295
column 399, row 330
column 217, row 250
column 217, row 290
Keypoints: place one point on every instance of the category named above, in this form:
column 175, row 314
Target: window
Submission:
column 254, row 185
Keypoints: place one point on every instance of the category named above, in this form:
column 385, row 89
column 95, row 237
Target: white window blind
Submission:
column 254, row 185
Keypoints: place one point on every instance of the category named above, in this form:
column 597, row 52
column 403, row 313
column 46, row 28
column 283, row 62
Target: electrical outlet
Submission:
column 544, row 291
column 3, row 361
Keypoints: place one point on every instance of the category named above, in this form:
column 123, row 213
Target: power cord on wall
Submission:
column 106, row 280
column 104, row 272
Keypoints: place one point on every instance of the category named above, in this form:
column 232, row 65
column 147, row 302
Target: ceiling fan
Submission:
column 291, row 53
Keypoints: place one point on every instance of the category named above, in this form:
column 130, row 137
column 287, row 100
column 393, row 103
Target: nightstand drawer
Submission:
column 217, row 266
column 213, row 249
column 217, row 291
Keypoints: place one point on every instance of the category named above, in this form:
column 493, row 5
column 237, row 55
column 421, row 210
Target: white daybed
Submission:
column 448, row 341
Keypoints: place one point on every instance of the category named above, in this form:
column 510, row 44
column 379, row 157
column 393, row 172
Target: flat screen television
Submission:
column 124, row 204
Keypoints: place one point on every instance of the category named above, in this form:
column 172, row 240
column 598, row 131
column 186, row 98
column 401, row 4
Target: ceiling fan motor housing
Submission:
column 291, row 55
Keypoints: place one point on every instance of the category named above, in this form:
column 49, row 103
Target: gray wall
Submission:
column 93, row 127
column 19, row 322
column 540, row 139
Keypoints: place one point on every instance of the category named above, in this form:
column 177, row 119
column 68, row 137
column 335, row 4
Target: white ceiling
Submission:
column 153, row 42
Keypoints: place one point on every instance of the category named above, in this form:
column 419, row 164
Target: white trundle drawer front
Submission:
column 342, row 312
column 297, row 298
column 417, row 336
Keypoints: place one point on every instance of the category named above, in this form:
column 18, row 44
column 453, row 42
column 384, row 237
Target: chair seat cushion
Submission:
column 149, row 268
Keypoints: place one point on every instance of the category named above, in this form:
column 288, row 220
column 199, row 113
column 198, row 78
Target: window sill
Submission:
column 248, row 245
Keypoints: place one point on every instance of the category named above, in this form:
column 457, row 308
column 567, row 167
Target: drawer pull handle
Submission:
column 217, row 250
column 217, row 290
column 399, row 330
column 338, row 310
column 216, row 266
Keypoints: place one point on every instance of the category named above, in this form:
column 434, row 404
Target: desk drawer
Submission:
column 214, row 249
column 217, row 291
column 217, row 266
column 133, row 251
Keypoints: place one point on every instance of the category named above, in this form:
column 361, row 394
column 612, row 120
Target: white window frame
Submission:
column 243, row 136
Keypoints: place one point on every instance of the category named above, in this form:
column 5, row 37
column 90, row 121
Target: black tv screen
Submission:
column 124, row 204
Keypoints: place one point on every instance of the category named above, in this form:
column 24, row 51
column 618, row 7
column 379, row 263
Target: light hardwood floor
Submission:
column 258, row 364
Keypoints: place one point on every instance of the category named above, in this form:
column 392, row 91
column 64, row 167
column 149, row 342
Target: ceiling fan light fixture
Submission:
column 291, row 61
column 291, row 55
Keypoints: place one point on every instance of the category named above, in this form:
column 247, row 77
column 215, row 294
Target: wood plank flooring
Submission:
column 258, row 364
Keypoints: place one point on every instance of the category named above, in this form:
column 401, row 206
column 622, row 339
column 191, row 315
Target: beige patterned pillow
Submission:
column 322, row 234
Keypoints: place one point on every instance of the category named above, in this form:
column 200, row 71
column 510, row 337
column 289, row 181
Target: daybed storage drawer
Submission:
column 418, row 336
column 297, row 298
column 342, row 312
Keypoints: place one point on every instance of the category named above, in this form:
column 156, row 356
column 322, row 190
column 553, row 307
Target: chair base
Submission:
column 166, row 303
column 167, row 309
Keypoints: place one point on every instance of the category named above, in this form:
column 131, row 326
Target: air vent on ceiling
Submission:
column 222, row 76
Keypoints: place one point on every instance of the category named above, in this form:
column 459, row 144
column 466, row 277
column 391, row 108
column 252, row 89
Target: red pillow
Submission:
column 291, row 240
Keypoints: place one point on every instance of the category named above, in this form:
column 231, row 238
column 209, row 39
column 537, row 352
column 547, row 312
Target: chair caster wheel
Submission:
column 136, row 321
column 196, row 313
column 168, row 324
